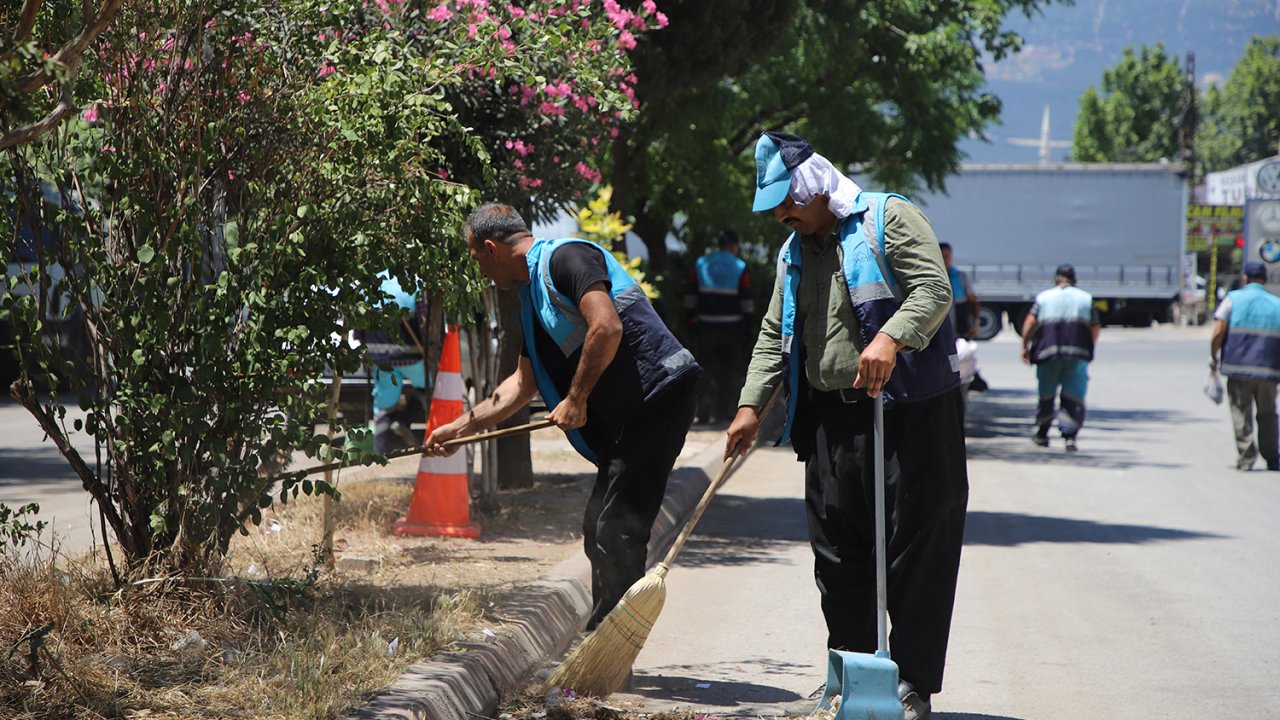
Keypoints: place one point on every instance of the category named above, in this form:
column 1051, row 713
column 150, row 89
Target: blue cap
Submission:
column 777, row 155
column 1255, row 270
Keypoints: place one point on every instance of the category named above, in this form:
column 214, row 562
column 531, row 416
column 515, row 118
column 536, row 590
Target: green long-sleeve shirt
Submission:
column 831, row 342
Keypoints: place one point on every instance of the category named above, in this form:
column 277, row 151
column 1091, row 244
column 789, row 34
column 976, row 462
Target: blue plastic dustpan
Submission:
column 867, row 685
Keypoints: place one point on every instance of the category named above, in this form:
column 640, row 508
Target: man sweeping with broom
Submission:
column 618, row 383
column 859, row 310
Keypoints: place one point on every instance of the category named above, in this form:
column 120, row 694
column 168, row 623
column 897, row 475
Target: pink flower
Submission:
column 243, row 97
column 518, row 147
column 587, row 172
column 440, row 13
column 326, row 70
column 662, row 20
column 648, row 7
column 626, row 40
column 90, row 114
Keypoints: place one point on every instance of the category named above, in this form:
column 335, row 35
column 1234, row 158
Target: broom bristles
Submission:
column 600, row 663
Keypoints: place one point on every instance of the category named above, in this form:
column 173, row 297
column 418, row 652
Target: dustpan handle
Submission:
column 882, row 601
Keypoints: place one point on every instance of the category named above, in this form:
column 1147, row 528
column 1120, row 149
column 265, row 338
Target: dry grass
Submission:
column 274, row 646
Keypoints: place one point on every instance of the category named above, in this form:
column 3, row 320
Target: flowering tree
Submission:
column 228, row 199
column 539, row 138
column 31, row 75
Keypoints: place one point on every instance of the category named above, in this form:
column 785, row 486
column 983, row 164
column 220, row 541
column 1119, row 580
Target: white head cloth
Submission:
column 817, row 176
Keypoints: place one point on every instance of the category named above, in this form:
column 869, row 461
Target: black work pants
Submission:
column 926, row 492
column 628, row 493
column 723, row 354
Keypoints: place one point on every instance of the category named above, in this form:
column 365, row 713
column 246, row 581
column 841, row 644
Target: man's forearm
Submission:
column 511, row 394
column 1218, row 340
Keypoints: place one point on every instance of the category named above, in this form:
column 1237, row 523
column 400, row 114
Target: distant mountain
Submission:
column 1068, row 47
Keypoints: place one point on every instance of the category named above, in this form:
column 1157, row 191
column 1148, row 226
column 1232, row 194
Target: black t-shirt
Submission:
column 575, row 267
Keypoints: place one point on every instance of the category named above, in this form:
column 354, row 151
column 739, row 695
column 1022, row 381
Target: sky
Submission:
column 1067, row 48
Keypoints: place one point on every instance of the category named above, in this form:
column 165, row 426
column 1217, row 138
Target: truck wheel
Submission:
column 989, row 322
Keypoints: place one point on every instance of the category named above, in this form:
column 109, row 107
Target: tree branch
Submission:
column 22, row 393
column 70, row 53
column 741, row 142
column 24, row 135
column 26, row 21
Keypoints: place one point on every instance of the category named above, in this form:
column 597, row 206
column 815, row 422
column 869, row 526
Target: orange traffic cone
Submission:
column 441, row 502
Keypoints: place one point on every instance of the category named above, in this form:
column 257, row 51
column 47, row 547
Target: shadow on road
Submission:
column 737, row 531
column 660, row 685
column 1004, row 529
column 1006, row 415
column 43, row 464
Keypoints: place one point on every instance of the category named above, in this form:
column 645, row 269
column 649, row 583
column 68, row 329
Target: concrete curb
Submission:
column 471, row 680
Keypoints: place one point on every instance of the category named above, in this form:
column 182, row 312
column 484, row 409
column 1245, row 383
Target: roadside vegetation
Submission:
column 273, row 638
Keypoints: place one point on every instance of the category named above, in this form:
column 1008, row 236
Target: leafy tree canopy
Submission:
column 1139, row 115
column 1241, row 120
column 891, row 86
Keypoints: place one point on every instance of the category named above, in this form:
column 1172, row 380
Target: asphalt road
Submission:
column 1136, row 578
column 32, row 470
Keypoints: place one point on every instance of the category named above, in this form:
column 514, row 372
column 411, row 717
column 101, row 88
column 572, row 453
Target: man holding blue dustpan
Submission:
column 859, row 316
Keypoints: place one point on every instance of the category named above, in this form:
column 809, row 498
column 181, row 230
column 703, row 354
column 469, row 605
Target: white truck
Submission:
column 1123, row 227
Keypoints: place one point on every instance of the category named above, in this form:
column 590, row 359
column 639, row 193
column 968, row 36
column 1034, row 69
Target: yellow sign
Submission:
column 1215, row 213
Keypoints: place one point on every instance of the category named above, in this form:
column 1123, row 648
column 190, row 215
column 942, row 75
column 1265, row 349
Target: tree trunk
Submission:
column 653, row 231
column 630, row 199
column 483, row 366
column 514, row 462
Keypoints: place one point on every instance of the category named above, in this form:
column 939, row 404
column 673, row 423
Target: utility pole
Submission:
column 1188, row 142
column 1190, row 121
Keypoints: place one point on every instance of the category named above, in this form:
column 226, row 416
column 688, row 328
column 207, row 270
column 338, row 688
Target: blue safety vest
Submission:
column 876, row 296
column 649, row 358
column 1252, row 350
column 719, row 278
column 959, row 285
column 1065, row 325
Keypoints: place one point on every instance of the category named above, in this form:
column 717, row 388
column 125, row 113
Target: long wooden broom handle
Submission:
column 494, row 435
column 714, row 486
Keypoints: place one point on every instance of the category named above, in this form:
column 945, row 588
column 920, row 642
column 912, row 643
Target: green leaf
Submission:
column 145, row 254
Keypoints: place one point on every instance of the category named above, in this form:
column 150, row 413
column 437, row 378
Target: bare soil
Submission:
column 534, row 529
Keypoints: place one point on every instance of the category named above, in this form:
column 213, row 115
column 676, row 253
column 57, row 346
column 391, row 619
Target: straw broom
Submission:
column 601, row 662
